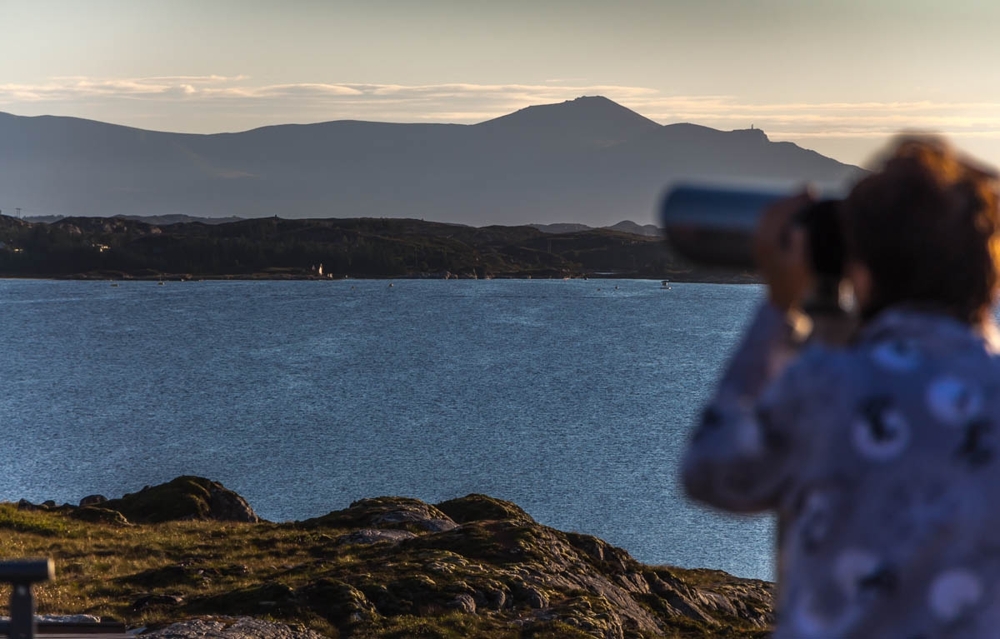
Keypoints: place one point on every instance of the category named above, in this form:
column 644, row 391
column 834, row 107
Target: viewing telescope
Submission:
column 714, row 227
column 21, row 575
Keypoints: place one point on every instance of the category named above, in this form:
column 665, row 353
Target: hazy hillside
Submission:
column 625, row 226
column 158, row 220
column 588, row 161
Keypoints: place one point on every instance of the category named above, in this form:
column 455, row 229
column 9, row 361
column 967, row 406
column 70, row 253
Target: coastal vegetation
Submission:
column 278, row 248
column 474, row 566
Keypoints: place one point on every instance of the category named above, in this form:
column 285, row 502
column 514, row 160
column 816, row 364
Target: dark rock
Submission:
column 82, row 619
column 535, row 598
column 374, row 536
column 167, row 576
column 477, row 507
column 497, row 542
column 147, row 601
column 493, row 599
column 596, row 616
column 96, row 515
column 230, row 628
column 464, row 603
column 271, row 597
column 183, row 498
column 409, row 594
column 394, row 513
column 46, row 506
column 92, row 500
column 234, row 570
column 600, row 551
column 341, row 603
column 226, row 505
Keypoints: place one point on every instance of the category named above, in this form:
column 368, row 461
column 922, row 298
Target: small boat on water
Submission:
column 665, row 285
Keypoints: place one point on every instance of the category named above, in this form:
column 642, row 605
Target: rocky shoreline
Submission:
column 190, row 558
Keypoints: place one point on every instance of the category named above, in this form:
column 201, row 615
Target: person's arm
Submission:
column 739, row 456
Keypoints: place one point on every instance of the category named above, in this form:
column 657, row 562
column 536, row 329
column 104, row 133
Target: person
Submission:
column 881, row 457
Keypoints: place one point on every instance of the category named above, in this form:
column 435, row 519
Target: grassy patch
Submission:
column 32, row 522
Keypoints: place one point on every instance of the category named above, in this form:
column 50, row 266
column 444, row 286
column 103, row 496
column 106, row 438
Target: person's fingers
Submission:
column 775, row 223
column 781, row 249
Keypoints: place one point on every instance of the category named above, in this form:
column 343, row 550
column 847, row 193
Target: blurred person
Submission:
column 881, row 457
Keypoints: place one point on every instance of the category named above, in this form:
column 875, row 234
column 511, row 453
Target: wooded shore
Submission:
column 275, row 248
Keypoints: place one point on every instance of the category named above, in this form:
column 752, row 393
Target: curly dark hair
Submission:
column 927, row 226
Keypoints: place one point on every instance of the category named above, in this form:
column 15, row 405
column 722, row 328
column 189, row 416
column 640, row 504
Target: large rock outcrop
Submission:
column 485, row 556
column 473, row 566
column 184, row 498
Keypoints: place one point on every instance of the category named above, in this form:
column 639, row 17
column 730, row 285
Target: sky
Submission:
column 838, row 77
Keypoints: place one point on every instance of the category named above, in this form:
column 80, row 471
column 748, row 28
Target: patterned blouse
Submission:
column 881, row 462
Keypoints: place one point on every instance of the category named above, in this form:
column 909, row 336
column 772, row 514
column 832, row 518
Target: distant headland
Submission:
column 276, row 248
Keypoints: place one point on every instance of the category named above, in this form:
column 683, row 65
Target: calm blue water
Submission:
column 572, row 399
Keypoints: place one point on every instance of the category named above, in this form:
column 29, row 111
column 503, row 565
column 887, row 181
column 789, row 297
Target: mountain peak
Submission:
column 593, row 118
column 587, row 160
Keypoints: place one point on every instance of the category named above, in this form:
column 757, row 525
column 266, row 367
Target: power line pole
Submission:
column 18, row 209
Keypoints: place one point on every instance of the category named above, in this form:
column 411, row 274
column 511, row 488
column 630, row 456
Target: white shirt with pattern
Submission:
column 882, row 462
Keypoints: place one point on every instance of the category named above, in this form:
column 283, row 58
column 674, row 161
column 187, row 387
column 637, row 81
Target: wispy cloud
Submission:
column 213, row 87
column 167, row 88
column 189, row 100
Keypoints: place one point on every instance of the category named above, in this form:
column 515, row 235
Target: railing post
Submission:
column 21, row 574
column 22, row 612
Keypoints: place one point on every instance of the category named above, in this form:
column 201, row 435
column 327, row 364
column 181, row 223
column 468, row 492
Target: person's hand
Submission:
column 781, row 251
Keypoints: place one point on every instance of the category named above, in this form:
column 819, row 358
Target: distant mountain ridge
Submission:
column 588, row 161
column 625, row 226
column 155, row 220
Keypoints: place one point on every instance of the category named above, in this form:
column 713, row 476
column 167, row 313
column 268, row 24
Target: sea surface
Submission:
column 573, row 399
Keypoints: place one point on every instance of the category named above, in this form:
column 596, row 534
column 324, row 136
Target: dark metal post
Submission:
column 22, row 612
column 21, row 574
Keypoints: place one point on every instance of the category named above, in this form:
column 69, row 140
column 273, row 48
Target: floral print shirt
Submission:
column 882, row 462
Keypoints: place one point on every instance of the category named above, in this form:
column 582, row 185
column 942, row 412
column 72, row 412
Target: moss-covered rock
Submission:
column 184, row 498
column 477, row 507
column 96, row 515
column 394, row 513
column 339, row 602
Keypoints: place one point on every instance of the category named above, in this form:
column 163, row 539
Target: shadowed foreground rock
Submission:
column 227, row 628
column 389, row 567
